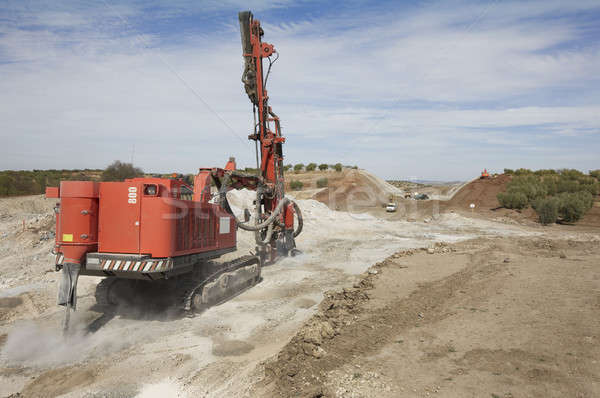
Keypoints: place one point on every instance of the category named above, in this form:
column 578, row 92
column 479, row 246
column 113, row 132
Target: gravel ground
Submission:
column 142, row 352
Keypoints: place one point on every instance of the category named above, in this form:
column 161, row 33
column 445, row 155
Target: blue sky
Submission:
column 419, row 89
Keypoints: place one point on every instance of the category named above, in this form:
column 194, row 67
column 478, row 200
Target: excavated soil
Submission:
column 481, row 192
column 503, row 318
column 356, row 190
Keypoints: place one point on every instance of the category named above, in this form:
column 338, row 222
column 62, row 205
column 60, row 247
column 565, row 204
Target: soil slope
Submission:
column 481, row 192
column 357, row 190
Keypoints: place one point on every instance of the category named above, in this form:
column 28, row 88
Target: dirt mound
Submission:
column 481, row 192
column 356, row 190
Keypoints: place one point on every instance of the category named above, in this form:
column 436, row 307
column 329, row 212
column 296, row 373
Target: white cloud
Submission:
column 359, row 88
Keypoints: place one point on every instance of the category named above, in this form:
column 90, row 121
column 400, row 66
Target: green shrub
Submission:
column 523, row 172
column 322, row 182
column 298, row 167
column 509, row 171
column 565, row 184
column 512, row 200
column 545, row 172
column 338, row 167
column 528, row 185
column 573, row 206
column 547, row 210
column 119, row 171
column 323, row 167
column 287, row 167
column 571, row 173
column 296, row 185
column 311, row 167
column 595, row 174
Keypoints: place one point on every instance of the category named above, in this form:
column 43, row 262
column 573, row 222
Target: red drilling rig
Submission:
column 148, row 230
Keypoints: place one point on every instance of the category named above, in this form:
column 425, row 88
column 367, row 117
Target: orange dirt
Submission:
column 481, row 192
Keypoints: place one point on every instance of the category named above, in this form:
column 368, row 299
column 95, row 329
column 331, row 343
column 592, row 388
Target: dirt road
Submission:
column 145, row 352
column 494, row 317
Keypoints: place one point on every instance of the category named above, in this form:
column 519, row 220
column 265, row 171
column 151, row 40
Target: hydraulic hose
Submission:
column 300, row 220
column 269, row 222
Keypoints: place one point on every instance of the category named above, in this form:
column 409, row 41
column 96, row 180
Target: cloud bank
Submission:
column 429, row 90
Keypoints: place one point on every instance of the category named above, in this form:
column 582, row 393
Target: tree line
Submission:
column 34, row 182
column 299, row 167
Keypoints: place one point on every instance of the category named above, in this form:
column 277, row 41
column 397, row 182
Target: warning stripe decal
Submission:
column 152, row 265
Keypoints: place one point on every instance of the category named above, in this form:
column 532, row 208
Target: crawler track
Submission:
column 192, row 292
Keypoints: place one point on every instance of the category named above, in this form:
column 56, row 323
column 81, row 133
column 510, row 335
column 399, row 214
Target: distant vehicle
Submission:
column 391, row 207
column 421, row 196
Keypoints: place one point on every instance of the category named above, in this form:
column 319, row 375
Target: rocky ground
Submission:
column 406, row 309
column 490, row 317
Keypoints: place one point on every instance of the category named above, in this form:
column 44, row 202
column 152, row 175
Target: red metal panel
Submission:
column 79, row 189
column 119, row 230
column 166, row 226
column 79, row 220
column 52, row 192
column 77, row 230
column 157, row 227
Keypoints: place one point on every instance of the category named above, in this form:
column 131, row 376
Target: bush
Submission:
column 572, row 207
column 565, row 184
column 322, row 182
column 509, row 171
column 119, row 171
column 523, row 172
column 298, row 167
column 338, row 167
column 595, row 174
column 323, row 167
column 512, row 200
column 547, row 210
column 287, row 167
column 296, row 185
column 545, row 172
column 565, row 194
column 311, row 167
column 529, row 185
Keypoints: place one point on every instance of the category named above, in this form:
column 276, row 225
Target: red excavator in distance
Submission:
column 144, row 230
